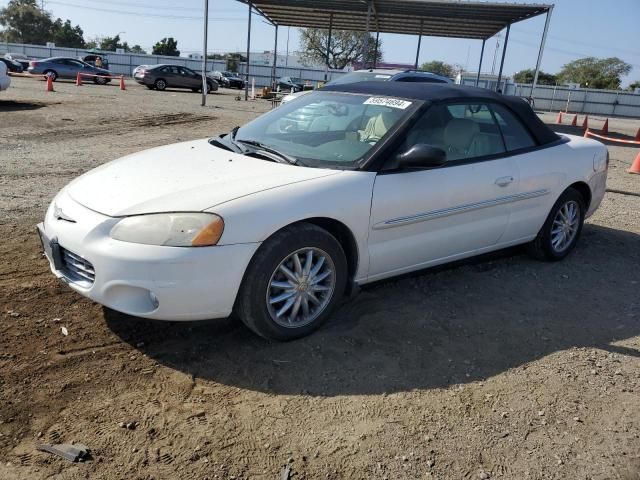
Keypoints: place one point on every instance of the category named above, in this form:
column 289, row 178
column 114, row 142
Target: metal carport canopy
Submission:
column 475, row 20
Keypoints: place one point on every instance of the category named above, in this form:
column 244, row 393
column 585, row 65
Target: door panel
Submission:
column 541, row 181
column 419, row 217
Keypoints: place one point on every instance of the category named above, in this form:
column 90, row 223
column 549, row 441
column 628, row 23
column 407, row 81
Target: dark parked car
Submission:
column 94, row 60
column 235, row 81
column 12, row 65
column 21, row 58
column 220, row 78
column 65, row 67
column 162, row 76
column 290, row 84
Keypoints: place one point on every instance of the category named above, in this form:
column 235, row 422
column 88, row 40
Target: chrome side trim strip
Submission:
column 421, row 217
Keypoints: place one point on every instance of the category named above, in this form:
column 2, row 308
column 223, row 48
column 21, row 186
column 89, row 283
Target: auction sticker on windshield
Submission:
column 388, row 102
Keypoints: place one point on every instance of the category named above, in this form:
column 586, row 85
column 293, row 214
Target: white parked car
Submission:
column 5, row 79
column 281, row 218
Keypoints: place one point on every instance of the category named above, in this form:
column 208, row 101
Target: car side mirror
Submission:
column 421, row 155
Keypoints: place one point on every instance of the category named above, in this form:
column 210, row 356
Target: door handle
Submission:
column 504, row 181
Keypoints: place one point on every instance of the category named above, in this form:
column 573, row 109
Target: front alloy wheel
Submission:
column 293, row 282
column 301, row 288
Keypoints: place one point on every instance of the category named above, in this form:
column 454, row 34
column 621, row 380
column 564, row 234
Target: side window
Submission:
column 463, row 131
column 515, row 134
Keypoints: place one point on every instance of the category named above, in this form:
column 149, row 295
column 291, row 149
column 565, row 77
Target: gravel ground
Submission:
column 498, row 367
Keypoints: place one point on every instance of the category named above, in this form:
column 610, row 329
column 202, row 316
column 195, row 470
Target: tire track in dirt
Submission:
column 113, row 127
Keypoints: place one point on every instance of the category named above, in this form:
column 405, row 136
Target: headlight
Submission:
column 170, row 229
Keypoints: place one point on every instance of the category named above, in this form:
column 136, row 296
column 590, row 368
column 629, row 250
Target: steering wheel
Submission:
column 338, row 110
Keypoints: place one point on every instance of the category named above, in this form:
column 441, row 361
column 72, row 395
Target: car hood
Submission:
column 190, row 176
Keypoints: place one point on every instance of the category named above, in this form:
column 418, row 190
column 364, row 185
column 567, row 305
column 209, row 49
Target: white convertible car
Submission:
column 278, row 220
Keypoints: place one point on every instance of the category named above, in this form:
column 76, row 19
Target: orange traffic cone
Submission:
column 638, row 136
column 574, row 122
column 586, row 133
column 78, row 80
column 559, row 119
column 50, row 84
column 635, row 166
column 585, row 122
column 122, row 87
column 605, row 127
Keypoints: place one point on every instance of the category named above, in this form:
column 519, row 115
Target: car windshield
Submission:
column 361, row 77
column 327, row 129
column 295, row 80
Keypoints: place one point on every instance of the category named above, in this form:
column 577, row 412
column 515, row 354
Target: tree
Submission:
column 25, row 22
column 345, row 48
column 234, row 60
column 166, row 46
column 526, row 76
column 634, row 85
column 595, row 72
column 441, row 68
column 64, row 35
column 137, row 49
column 111, row 44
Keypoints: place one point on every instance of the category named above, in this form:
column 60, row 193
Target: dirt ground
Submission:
column 499, row 367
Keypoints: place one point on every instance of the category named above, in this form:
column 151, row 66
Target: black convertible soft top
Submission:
column 439, row 92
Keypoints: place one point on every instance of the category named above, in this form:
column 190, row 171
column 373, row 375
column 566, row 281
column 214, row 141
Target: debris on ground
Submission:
column 73, row 453
column 285, row 474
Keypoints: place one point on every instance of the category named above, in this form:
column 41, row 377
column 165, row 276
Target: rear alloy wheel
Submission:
column 293, row 283
column 560, row 232
column 52, row 74
column 160, row 84
column 100, row 80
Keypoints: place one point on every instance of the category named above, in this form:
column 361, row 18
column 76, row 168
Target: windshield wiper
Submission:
column 217, row 142
column 261, row 146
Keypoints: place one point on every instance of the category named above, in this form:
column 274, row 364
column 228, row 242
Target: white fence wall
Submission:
column 596, row 102
column 123, row 64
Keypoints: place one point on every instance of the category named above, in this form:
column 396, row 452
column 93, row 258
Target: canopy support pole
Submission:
column 504, row 51
column 542, row 43
column 275, row 60
column 326, row 70
column 375, row 55
column 246, row 85
column 480, row 65
column 365, row 43
column 204, row 53
column 415, row 66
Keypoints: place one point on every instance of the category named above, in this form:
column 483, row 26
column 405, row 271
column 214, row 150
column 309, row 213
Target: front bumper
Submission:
column 164, row 283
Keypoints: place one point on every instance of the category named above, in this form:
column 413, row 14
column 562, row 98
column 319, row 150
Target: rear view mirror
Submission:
column 421, row 155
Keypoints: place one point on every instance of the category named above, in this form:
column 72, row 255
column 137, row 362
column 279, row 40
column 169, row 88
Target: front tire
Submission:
column 292, row 284
column 560, row 232
column 160, row 84
column 51, row 73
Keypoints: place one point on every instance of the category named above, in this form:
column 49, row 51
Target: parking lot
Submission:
column 498, row 367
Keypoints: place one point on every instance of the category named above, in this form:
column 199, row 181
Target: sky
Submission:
column 578, row 28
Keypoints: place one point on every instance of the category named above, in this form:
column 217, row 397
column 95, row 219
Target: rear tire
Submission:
column 282, row 298
column 561, row 231
column 160, row 84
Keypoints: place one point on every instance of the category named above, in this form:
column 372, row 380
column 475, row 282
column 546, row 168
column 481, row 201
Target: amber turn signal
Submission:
column 210, row 234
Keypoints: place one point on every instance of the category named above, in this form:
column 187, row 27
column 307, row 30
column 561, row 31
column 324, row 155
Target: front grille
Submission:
column 77, row 269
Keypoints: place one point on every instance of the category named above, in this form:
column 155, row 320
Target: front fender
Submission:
column 345, row 197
